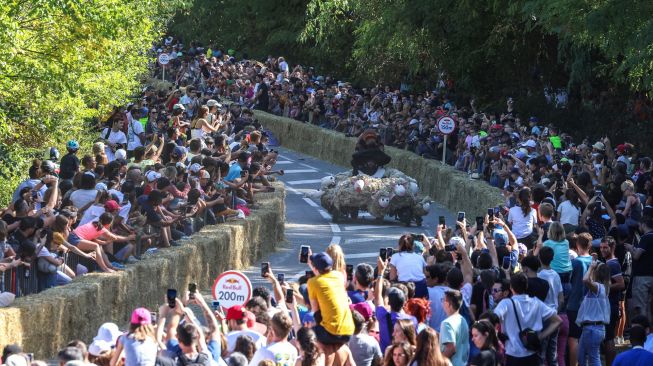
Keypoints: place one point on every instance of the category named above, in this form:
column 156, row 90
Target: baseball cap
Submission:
column 152, row 175
column 363, row 309
column 195, row 168
column 599, row 146
column 529, row 143
column 141, row 316
column 108, row 332
column 111, row 206
column 101, row 187
column 213, row 103
column 178, row 151
column 121, row 154
column 500, row 237
column 236, row 312
column 396, row 298
column 204, row 174
column 321, row 261
column 178, row 106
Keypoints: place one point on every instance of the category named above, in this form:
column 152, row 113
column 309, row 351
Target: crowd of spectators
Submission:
column 561, row 273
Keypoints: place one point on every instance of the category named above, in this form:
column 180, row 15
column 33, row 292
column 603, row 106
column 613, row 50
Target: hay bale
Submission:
column 44, row 322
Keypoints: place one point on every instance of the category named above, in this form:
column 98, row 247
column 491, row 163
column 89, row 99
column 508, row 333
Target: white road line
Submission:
column 324, row 214
column 285, row 157
column 362, row 240
column 295, row 278
column 361, row 255
column 311, row 202
column 366, row 227
column 308, row 166
column 335, row 240
column 291, row 171
column 335, row 228
column 284, row 162
column 307, row 181
column 293, row 190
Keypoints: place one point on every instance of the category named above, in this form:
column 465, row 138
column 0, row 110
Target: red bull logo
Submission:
column 231, row 284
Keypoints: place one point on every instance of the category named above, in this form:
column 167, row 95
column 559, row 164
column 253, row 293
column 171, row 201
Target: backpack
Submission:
column 201, row 360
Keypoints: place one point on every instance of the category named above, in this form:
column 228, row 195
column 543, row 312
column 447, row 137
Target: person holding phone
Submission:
column 523, row 219
column 408, row 266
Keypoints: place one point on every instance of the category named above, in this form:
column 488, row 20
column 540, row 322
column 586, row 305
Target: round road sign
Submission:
column 164, row 59
column 446, row 125
column 232, row 288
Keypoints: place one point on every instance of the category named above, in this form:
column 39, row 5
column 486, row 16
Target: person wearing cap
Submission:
column 364, row 348
column 138, row 346
column 328, row 299
column 387, row 313
column 237, row 317
column 70, row 162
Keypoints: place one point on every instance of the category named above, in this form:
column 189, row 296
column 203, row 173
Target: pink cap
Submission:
column 141, row 316
column 111, row 206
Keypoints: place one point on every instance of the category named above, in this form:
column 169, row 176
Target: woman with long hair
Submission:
column 245, row 345
column 569, row 210
column 594, row 313
column 309, row 352
column 200, row 126
column 398, row 354
column 338, row 255
column 428, row 351
column 404, row 331
column 408, row 266
column 485, row 339
column 139, row 344
column 523, row 218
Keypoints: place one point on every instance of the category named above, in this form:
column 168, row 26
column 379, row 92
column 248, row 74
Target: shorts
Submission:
column 610, row 328
column 73, row 239
column 574, row 329
column 323, row 336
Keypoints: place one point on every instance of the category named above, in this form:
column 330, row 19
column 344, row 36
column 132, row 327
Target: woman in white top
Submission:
column 594, row 313
column 569, row 211
column 523, row 219
column 408, row 266
column 200, row 127
column 113, row 138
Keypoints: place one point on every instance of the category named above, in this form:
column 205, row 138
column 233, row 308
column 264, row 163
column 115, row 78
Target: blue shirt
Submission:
column 635, row 356
column 578, row 268
column 234, row 172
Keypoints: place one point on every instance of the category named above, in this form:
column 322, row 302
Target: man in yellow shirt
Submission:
column 329, row 302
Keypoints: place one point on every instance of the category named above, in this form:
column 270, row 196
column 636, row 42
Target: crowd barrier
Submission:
column 43, row 322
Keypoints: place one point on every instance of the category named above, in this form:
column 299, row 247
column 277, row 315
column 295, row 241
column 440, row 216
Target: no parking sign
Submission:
column 232, row 288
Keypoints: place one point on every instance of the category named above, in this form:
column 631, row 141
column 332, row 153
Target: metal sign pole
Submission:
column 444, row 150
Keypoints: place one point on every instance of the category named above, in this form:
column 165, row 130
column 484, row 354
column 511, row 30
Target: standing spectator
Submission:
column 328, row 300
column 428, row 351
column 237, row 320
column 485, row 339
column 537, row 287
column 579, row 267
column 569, row 211
column 398, row 354
column 436, row 280
column 408, row 266
column 139, row 344
column 114, row 139
column 454, row 332
column 557, row 343
column 387, row 319
column 310, row 353
column 637, row 355
column 593, row 314
column 531, row 313
column 615, row 295
column 523, row 219
column 278, row 349
column 642, row 253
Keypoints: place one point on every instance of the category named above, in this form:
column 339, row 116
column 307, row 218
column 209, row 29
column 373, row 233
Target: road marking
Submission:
column 311, row 202
column 284, row 162
column 335, row 240
column 366, row 227
column 335, row 228
column 285, row 157
column 293, row 190
column 324, row 214
column 362, row 240
column 307, row 181
column 295, row 278
column 291, row 171
column 308, row 166
column 361, row 255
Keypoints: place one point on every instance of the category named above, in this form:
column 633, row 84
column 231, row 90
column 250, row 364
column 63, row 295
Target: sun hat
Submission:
column 108, row 332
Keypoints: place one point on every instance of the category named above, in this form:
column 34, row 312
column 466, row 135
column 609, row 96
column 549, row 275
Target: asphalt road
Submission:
column 307, row 223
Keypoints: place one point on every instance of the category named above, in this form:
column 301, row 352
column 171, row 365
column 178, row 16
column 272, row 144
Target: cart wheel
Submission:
column 335, row 216
column 353, row 213
column 418, row 221
column 405, row 216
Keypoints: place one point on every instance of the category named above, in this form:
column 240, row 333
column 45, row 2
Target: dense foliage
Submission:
column 65, row 62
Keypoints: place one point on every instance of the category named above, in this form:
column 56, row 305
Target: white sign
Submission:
column 446, row 125
column 232, row 288
column 164, row 58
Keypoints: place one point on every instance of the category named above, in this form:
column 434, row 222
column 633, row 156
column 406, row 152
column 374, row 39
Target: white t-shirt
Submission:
column 92, row 214
column 522, row 226
column 568, row 213
column 134, row 128
column 281, row 353
column 257, row 337
column 555, row 287
column 410, row 266
column 532, row 314
column 82, row 197
column 115, row 137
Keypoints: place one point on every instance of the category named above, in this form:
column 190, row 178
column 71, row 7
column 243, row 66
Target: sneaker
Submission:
column 241, row 214
column 132, row 259
column 151, row 251
column 117, row 265
column 174, row 243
